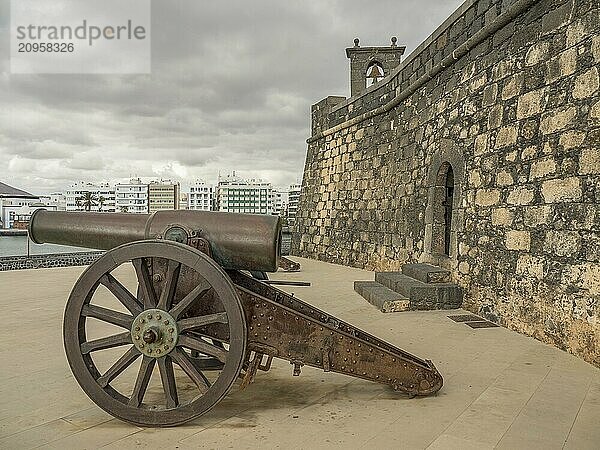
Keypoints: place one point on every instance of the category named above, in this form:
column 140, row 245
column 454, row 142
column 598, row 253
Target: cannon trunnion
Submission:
column 190, row 315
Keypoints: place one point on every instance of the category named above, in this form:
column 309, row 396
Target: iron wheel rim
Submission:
column 87, row 374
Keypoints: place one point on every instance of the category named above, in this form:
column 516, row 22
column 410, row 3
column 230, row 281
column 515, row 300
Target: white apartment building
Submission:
column 293, row 198
column 279, row 203
column 132, row 197
column 184, row 202
column 90, row 197
column 55, row 201
column 163, row 195
column 244, row 196
column 201, row 196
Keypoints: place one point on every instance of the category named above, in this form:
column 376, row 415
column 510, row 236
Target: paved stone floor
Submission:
column 501, row 389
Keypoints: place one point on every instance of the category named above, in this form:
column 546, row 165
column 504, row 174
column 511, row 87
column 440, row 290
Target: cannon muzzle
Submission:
column 237, row 241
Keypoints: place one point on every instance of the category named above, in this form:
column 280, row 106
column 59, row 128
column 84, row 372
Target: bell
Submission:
column 375, row 72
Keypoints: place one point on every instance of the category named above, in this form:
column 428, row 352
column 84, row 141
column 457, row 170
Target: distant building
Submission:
column 56, row 200
column 244, row 196
column 292, row 206
column 11, row 200
column 90, row 197
column 132, row 197
column 18, row 216
column 279, row 200
column 201, row 196
column 162, row 195
column 184, row 200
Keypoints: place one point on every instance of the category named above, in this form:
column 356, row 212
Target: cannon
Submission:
column 173, row 298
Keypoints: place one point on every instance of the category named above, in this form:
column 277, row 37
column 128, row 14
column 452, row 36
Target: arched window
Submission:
column 448, row 204
column 443, row 202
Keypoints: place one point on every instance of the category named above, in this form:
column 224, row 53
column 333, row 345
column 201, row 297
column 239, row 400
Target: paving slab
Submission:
column 501, row 389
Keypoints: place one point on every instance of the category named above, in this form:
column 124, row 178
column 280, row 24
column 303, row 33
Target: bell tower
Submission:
column 369, row 65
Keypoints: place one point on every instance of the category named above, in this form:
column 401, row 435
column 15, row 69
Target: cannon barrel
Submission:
column 237, row 241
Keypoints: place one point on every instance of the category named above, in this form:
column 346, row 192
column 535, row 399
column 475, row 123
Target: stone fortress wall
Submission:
column 480, row 152
column 48, row 261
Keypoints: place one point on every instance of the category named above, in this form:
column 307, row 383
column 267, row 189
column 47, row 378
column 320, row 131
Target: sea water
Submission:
column 17, row 246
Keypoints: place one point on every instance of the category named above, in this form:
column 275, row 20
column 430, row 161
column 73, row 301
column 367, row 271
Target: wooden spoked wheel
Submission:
column 179, row 293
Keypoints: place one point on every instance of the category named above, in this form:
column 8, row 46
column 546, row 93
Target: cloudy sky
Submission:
column 231, row 87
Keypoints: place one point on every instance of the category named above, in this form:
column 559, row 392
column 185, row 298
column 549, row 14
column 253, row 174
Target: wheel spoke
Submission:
column 107, row 315
column 218, row 343
column 183, row 360
column 115, row 340
column 122, row 294
column 171, row 278
column 200, row 321
column 146, row 287
column 167, row 376
column 187, row 301
column 141, row 382
column 202, row 347
column 117, row 368
column 207, row 363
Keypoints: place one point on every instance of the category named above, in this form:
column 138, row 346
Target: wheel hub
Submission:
column 154, row 333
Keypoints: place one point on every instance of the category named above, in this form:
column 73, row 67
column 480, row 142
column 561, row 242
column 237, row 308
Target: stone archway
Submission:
column 444, row 213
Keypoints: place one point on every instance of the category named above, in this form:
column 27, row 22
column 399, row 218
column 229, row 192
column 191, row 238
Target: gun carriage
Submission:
column 196, row 315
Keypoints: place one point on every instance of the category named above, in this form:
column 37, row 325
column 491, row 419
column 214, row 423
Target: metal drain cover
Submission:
column 482, row 324
column 466, row 318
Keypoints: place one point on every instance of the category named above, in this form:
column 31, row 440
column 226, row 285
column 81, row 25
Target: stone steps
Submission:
column 417, row 287
column 426, row 273
column 382, row 297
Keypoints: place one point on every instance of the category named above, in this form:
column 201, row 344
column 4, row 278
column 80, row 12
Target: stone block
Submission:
column 490, row 92
column 518, row 240
column 487, row 197
column 528, row 153
column 504, row 178
column 562, row 190
column 562, row 243
column 530, row 266
column 529, row 104
column 537, row 53
column 506, row 136
column 513, row 86
column 534, row 216
column 481, row 143
column 586, row 84
column 382, row 297
column 542, row 168
column 596, row 48
column 562, row 65
column 478, row 83
column 556, row 18
column 595, row 111
column 426, row 273
column 571, row 139
column 502, row 69
column 502, row 217
column 585, row 276
column 423, row 296
column 521, row 195
column 558, row 119
column 495, row 116
column 589, row 161
column 475, row 178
